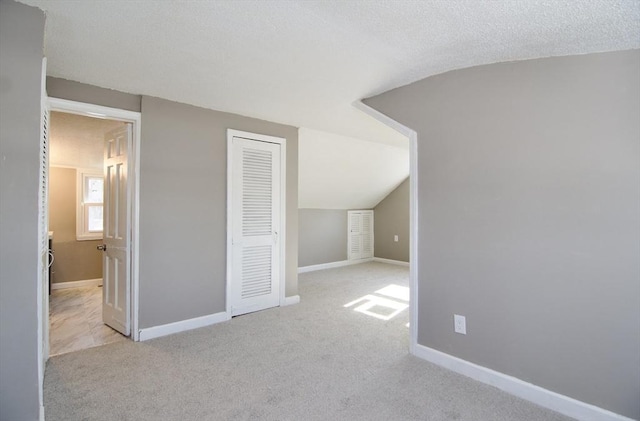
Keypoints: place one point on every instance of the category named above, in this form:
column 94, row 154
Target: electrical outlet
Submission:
column 459, row 324
column 395, row 238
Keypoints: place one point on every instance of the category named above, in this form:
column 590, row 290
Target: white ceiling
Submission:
column 339, row 172
column 77, row 141
column 305, row 62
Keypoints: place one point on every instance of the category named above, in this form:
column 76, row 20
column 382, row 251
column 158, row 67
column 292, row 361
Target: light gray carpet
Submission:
column 312, row 361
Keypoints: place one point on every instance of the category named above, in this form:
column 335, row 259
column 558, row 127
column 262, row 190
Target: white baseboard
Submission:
column 536, row 394
column 288, row 301
column 77, row 284
column 331, row 265
column 391, row 262
column 183, row 325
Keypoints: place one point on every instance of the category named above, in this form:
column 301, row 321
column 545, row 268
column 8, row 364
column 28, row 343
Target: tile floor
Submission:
column 75, row 321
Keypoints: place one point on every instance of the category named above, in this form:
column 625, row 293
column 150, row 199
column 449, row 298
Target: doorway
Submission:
column 116, row 273
column 76, row 210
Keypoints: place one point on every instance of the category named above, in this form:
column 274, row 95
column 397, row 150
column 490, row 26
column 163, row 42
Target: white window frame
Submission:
column 82, row 208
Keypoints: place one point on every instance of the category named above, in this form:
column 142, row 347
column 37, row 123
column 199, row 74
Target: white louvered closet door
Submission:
column 367, row 235
column 360, row 242
column 256, row 225
column 355, row 234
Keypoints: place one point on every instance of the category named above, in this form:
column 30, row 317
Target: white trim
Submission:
column 135, row 118
column 536, row 394
column 384, row 119
column 391, row 262
column 77, row 284
column 288, row 301
column 331, row 265
column 42, row 284
column 229, row 223
column 282, row 236
column 41, row 414
column 413, row 215
column 182, row 326
column 93, row 110
column 135, row 229
column 283, row 222
column 69, row 167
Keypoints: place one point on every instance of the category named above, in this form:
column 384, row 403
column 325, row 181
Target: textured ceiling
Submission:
column 78, row 141
column 305, row 62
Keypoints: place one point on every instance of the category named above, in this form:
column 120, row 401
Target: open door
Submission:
column 116, row 260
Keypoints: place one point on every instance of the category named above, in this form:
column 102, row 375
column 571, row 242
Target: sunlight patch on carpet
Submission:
column 383, row 308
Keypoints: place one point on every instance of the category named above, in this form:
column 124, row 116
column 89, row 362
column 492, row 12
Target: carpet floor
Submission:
column 317, row 360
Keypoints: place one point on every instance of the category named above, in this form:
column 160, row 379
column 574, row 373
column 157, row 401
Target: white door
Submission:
column 360, row 234
column 116, row 231
column 255, row 224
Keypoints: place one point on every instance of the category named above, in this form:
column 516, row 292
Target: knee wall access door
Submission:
column 360, row 235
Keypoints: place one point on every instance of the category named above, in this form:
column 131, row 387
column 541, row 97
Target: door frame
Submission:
column 133, row 185
column 414, row 267
column 231, row 133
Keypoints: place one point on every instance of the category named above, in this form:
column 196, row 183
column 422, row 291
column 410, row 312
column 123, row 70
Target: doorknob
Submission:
column 102, row 247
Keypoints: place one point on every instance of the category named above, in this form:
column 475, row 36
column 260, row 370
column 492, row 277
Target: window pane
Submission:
column 93, row 192
column 95, row 218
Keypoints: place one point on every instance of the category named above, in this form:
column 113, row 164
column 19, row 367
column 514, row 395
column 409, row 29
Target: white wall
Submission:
column 339, row 172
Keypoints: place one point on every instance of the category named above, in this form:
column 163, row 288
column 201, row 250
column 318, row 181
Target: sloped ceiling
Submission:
column 305, row 62
column 339, row 172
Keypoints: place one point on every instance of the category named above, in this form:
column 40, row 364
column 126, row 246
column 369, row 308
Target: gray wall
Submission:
column 74, row 260
column 183, row 182
column 322, row 236
column 183, row 201
column 529, row 215
column 81, row 92
column 21, row 41
column 391, row 217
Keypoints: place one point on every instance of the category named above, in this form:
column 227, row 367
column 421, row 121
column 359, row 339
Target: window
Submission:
column 89, row 209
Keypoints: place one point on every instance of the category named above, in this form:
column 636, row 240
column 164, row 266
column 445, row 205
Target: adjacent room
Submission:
column 353, row 200
column 76, row 192
column 346, row 210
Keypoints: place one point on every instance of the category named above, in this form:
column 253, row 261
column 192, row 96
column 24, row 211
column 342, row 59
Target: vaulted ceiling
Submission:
column 305, row 63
